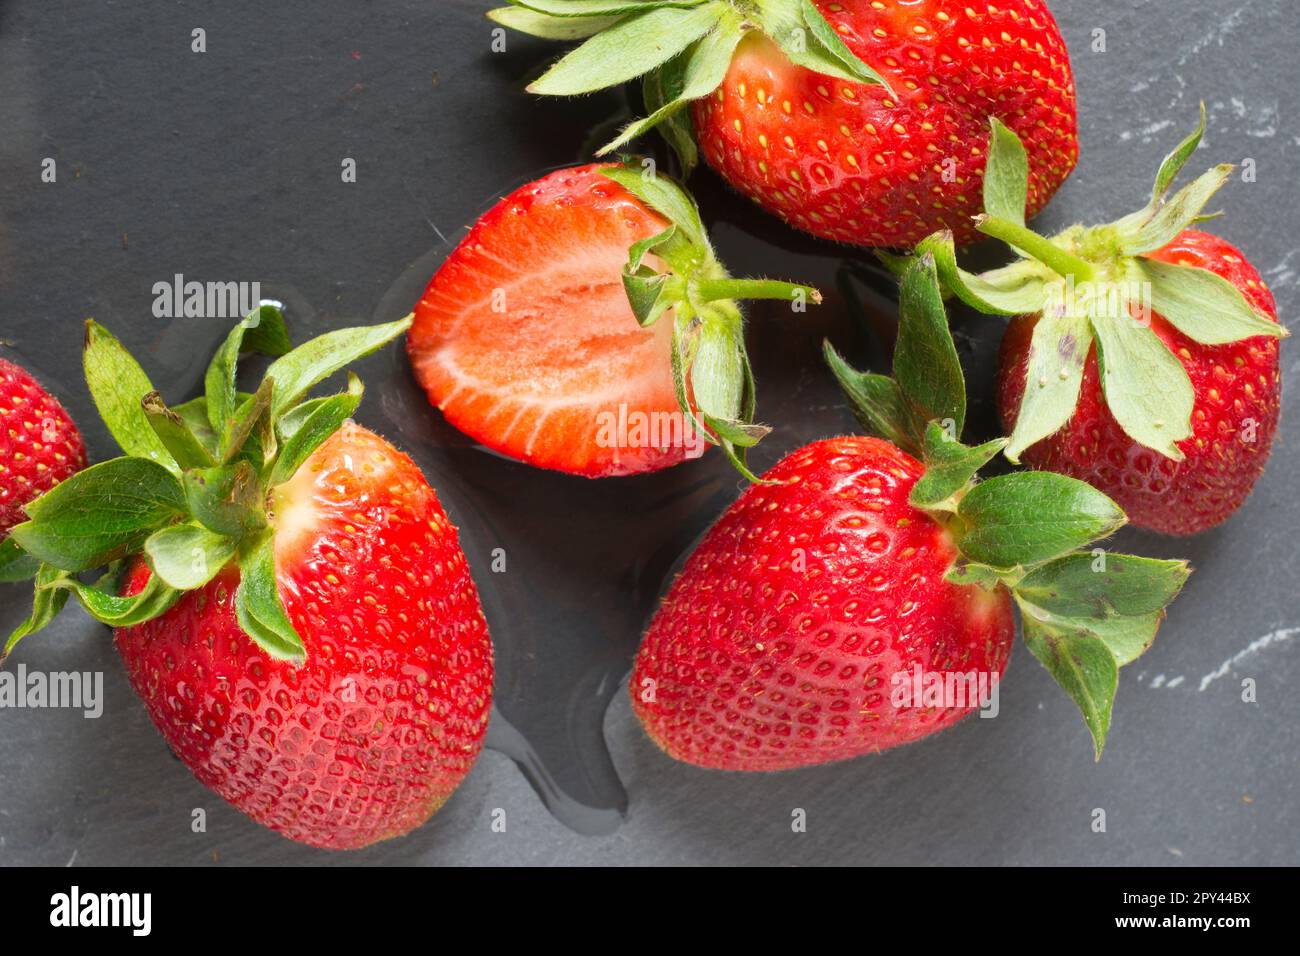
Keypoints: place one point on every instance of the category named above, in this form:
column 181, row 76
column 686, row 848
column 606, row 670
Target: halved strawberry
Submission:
column 585, row 325
column 525, row 335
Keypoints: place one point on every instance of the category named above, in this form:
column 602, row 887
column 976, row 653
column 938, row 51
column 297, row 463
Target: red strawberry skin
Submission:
column 852, row 163
column 39, row 443
column 767, row 657
column 1238, row 390
column 373, row 733
column 525, row 340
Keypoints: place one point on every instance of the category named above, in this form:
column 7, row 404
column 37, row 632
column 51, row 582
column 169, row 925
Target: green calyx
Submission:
column 1085, row 612
column 1095, row 286
column 191, row 491
column 677, row 271
column 680, row 49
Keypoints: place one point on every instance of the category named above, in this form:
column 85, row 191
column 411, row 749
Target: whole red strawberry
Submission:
column 585, row 325
column 289, row 599
column 1143, row 354
column 1237, row 388
column 782, row 641
column 861, row 596
column 855, row 120
column 372, row 733
column 39, row 443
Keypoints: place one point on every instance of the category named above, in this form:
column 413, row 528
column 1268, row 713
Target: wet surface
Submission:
column 225, row 166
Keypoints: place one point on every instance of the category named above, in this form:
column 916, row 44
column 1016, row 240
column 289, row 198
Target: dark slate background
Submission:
column 226, row 166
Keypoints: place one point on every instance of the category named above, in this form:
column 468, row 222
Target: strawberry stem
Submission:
column 712, row 290
column 1044, row 250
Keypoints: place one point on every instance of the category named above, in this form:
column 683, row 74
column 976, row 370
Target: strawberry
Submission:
column 1237, row 390
column 39, row 443
column 289, row 599
column 855, row 121
column 861, row 597
column 1143, row 354
column 585, row 325
column 778, row 645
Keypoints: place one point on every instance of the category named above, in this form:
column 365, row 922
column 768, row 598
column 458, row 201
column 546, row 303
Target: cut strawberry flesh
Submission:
column 526, row 341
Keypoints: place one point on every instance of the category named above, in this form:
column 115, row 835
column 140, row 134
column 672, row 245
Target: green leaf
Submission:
column 633, row 46
column 1202, row 305
column 195, row 415
column 297, row 372
column 1146, row 387
column 949, row 467
column 830, row 45
column 47, row 602
column 981, row 575
column 686, row 341
column 1011, row 290
column 289, row 423
column 1175, row 215
column 99, row 514
column 15, row 563
column 1058, row 351
column 1174, row 162
column 550, row 27
column 1029, row 517
column 262, row 330
column 1165, row 176
column 175, row 434
column 658, row 89
column 1083, row 666
column 1102, row 584
column 645, row 293
column 225, row 499
column 1126, row 637
column 808, row 40
column 737, row 432
column 703, row 67
column 116, row 610
column 875, row 401
column 646, row 287
column 117, row 384
column 323, row 422
column 1006, row 174
column 926, row 366
column 717, row 376
column 1118, row 597
column 249, row 428
column 664, row 196
column 186, row 556
column 738, row 462
column 258, row 607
